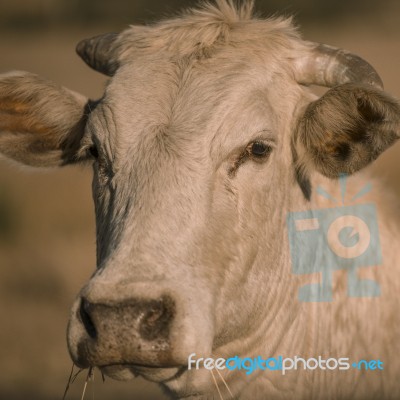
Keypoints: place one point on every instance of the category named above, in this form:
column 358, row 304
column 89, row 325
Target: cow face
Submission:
column 185, row 159
column 198, row 145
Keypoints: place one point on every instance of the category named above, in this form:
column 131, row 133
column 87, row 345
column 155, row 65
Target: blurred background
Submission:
column 47, row 236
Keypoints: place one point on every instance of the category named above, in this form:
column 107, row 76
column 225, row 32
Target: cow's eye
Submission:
column 94, row 152
column 259, row 149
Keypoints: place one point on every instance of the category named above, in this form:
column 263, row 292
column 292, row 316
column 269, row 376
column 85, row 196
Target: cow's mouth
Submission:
column 124, row 372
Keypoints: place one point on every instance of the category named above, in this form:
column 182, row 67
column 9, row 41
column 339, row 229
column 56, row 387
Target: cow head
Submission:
column 205, row 134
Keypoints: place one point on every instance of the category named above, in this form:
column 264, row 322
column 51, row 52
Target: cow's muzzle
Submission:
column 147, row 327
column 134, row 331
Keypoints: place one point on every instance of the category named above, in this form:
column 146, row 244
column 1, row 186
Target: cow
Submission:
column 206, row 140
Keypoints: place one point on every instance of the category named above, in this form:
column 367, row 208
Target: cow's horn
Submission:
column 329, row 66
column 100, row 53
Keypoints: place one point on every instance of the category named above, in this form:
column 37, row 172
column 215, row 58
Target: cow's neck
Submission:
column 338, row 328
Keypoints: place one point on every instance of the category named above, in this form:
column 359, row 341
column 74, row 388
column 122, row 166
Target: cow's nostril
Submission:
column 157, row 318
column 152, row 316
column 146, row 319
column 84, row 312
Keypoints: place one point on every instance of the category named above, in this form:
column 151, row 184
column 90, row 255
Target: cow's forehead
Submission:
column 223, row 81
column 192, row 99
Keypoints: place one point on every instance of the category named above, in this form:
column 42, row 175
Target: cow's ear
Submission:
column 41, row 124
column 346, row 129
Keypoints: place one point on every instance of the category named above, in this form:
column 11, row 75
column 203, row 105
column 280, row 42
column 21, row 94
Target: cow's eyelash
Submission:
column 249, row 154
column 259, row 149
